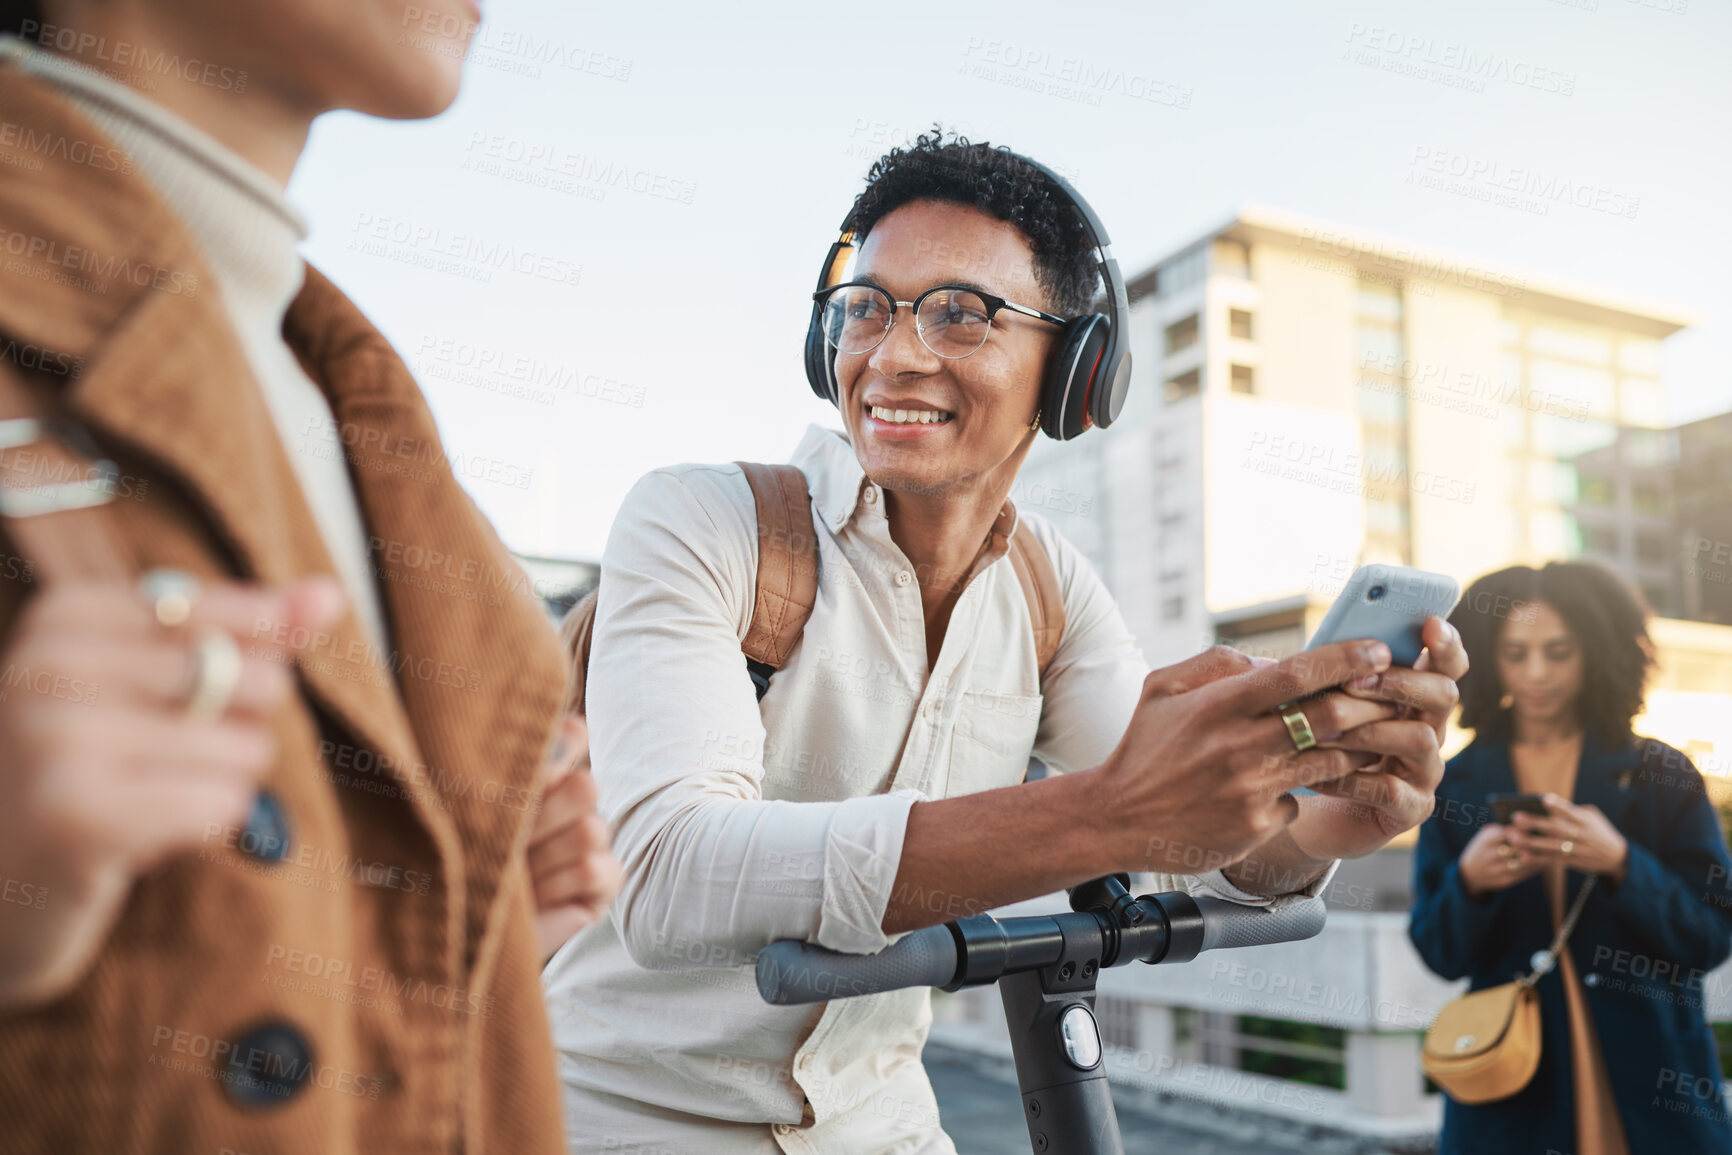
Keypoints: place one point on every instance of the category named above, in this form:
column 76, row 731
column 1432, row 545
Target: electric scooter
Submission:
column 1046, row 967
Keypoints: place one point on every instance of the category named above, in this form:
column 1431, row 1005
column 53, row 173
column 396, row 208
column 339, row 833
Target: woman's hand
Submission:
column 1581, row 837
column 103, row 771
column 1489, row 862
column 571, row 863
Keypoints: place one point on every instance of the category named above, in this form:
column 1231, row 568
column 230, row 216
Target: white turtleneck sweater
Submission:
column 248, row 235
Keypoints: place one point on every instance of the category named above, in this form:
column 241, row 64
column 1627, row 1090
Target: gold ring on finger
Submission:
column 1510, row 864
column 216, row 674
column 1566, row 846
column 1504, row 851
column 171, row 595
column 1299, row 729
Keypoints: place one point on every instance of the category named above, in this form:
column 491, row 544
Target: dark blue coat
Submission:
column 1643, row 951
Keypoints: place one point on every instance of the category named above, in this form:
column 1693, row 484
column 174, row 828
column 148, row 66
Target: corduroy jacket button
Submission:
column 267, row 1066
column 266, row 836
column 1591, row 980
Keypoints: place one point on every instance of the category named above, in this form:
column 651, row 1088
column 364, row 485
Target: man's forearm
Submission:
column 963, row 856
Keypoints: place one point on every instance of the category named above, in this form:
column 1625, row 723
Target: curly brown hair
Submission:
column 1607, row 618
column 20, row 18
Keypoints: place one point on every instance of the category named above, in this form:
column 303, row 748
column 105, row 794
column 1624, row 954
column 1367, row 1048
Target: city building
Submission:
column 1308, row 398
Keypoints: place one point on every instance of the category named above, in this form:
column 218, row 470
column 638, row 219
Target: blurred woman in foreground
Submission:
column 1559, row 657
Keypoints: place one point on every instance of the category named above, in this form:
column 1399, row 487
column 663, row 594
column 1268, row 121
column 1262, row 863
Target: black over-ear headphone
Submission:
column 1089, row 373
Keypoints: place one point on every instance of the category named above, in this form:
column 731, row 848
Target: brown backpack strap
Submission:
column 1040, row 587
column 787, row 563
column 787, row 582
column 574, row 633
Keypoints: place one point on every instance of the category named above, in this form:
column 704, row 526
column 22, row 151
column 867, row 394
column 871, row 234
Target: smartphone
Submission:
column 1504, row 807
column 1389, row 604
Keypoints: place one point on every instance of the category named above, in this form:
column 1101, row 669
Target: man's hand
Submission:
column 571, row 863
column 103, row 774
column 1203, row 773
column 1363, row 811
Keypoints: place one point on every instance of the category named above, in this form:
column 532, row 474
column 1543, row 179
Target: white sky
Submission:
column 751, row 126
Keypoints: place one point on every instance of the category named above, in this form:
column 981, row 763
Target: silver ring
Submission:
column 171, row 595
column 216, row 674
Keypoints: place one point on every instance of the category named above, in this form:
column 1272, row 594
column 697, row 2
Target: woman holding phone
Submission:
column 1559, row 658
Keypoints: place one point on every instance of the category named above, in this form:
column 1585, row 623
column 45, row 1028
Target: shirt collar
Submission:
column 836, row 481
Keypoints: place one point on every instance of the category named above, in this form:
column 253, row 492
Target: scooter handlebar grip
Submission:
column 791, row 973
column 1227, row 925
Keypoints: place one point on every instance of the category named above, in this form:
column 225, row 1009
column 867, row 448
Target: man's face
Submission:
column 989, row 397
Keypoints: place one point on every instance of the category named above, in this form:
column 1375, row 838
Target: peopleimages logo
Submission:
column 1446, row 62
column 122, row 54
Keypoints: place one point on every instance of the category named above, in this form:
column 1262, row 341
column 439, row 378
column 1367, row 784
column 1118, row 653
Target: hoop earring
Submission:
column 1506, row 701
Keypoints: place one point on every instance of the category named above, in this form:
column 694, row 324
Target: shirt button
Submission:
column 268, row 1065
column 783, row 1129
column 903, row 577
column 871, row 494
column 931, row 710
column 805, row 1063
column 266, row 836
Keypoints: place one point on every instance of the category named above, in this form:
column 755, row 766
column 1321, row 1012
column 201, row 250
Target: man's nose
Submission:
column 902, row 350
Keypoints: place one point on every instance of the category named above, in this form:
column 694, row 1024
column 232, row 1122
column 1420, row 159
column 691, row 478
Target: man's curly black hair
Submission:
column 1608, row 620
column 1000, row 184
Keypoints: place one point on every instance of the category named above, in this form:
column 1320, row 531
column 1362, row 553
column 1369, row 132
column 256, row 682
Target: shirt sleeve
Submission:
column 713, row 872
column 1091, row 689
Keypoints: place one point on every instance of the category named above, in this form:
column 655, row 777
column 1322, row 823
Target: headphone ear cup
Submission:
column 1070, row 377
column 818, row 359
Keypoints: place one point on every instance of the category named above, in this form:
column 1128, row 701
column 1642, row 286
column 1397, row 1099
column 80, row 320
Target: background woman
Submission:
column 1558, row 660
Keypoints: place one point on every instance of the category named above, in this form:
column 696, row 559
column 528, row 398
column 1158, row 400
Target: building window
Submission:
column 1233, row 259
column 1172, row 609
column 1181, row 334
column 1184, row 385
column 1243, row 380
column 1239, row 324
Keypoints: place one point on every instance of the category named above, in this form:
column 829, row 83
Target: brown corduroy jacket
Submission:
column 374, row 989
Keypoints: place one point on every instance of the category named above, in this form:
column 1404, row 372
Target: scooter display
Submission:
column 1046, row 967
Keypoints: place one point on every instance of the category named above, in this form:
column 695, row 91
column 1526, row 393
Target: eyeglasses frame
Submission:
column 994, row 305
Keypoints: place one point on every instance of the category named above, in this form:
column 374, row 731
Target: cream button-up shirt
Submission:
column 740, row 822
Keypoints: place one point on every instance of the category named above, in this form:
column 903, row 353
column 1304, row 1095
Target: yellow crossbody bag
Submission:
column 1485, row 1046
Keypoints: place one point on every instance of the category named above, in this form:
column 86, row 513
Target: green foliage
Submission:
column 1303, row 1054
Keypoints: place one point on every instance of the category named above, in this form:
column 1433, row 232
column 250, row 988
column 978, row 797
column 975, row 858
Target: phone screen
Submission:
column 1504, row 807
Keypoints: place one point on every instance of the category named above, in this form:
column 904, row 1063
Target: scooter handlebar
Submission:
column 791, row 972
column 1227, row 925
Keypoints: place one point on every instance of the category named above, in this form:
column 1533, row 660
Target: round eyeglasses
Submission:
column 951, row 320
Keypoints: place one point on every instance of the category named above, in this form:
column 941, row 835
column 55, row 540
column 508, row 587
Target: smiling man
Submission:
column 877, row 784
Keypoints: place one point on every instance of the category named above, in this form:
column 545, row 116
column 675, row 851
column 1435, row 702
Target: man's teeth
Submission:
column 910, row 416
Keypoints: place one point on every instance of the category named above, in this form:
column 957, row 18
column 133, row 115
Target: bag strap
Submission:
column 787, row 583
column 1039, row 581
column 1545, row 960
column 787, row 568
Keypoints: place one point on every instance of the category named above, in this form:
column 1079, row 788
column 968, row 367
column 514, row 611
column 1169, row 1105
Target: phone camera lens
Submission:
column 1374, row 593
